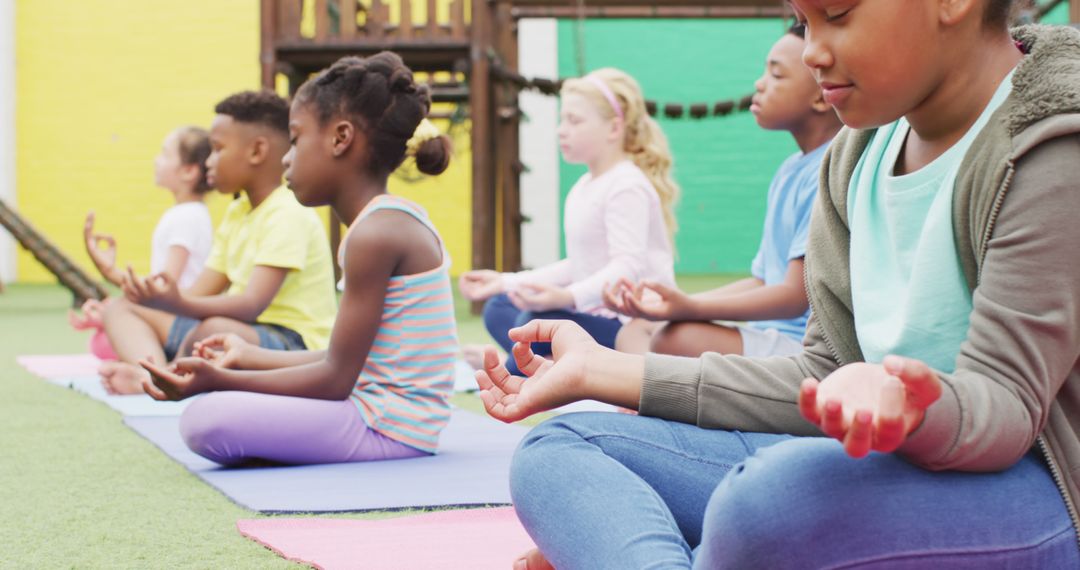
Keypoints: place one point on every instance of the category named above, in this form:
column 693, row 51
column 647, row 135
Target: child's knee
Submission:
column 116, row 308
column 669, row 338
column 767, row 502
column 205, row 428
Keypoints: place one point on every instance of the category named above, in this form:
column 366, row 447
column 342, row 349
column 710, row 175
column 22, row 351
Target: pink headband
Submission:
column 606, row 92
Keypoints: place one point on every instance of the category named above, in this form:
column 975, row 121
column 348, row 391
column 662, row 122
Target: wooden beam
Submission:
column 322, row 20
column 480, row 105
column 1074, row 11
column 347, row 19
column 634, row 11
column 267, row 36
column 508, row 173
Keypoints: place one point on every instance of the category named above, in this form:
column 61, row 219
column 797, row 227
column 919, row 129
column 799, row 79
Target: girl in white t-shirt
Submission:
column 182, row 237
column 619, row 218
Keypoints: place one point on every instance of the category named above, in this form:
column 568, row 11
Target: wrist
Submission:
column 613, row 377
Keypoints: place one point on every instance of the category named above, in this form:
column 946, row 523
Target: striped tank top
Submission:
column 404, row 388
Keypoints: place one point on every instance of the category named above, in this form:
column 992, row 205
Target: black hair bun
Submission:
column 433, row 155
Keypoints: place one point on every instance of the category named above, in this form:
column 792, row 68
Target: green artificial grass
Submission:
column 80, row 490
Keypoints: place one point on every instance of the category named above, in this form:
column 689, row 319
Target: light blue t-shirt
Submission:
column 787, row 223
column 908, row 289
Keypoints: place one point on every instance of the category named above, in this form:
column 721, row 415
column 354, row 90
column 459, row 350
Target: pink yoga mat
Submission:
column 52, row 366
column 477, row 539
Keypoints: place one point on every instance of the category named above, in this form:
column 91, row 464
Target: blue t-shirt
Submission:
column 787, row 223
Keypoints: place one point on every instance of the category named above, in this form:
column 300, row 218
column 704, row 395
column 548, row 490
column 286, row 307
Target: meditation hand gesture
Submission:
column 549, row 384
column 184, row 378
column 668, row 303
column 225, row 350
column 92, row 317
column 104, row 259
column 871, row 407
column 538, row 298
column 157, row 291
column 480, row 285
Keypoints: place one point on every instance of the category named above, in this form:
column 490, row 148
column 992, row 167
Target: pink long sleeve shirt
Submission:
column 614, row 228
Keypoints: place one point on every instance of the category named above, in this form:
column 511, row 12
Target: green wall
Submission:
column 723, row 164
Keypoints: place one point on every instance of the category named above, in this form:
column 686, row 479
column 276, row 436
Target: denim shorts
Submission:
column 271, row 336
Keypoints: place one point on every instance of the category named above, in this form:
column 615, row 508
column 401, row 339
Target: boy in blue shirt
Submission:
column 773, row 300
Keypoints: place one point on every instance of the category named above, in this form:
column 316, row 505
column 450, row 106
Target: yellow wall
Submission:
column 99, row 83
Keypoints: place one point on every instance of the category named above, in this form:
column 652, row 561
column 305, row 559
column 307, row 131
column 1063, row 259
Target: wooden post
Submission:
column 483, row 198
column 457, row 19
column 267, row 34
column 376, row 21
column 405, row 24
column 508, row 159
column 322, row 20
column 288, row 23
column 347, row 20
column 432, row 19
column 1074, row 11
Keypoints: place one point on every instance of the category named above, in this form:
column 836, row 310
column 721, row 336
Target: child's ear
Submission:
column 952, row 12
column 190, row 173
column 344, row 134
column 258, row 151
column 618, row 130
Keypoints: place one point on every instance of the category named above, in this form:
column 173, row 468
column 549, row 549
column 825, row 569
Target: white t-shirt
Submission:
column 187, row 225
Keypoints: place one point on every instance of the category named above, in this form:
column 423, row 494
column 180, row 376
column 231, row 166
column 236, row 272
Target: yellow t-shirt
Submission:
column 280, row 233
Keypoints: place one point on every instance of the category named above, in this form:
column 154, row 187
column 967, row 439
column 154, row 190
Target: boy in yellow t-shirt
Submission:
column 269, row 278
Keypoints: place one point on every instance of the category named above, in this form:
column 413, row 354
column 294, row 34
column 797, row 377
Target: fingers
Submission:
column 611, row 296
column 539, row 330
column 640, row 309
column 889, row 429
column 808, row 405
column 158, row 372
column 922, row 385
column 498, row 374
column 832, row 421
column 659, row 288
column 527, row 361
column 860, row 437
column 154, row 392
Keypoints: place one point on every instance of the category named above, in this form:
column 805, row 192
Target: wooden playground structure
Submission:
column 476, row 42
column 476, row 38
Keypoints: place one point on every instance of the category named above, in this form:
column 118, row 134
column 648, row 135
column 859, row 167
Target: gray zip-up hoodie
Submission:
column 1016, row 217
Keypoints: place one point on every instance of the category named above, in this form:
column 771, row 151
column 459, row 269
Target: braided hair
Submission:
column 379, row 95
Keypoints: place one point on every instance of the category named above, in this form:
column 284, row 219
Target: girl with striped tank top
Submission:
column 381, row 390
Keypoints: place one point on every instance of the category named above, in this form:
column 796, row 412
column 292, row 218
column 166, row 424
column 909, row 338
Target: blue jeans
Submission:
column 271, row 336
column 500, row 315
column 604, row 490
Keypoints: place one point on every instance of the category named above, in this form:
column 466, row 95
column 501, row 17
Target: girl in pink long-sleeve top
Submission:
column 618, row 220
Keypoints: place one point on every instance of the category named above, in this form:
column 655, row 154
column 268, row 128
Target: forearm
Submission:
column 318, row 380
column 734, row 392
column 740, row 286
column 112, row 275
column 781, row 301
column 258, row 358
column 237, row 307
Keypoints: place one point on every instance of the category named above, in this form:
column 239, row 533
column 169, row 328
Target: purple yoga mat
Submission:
column 471, row 468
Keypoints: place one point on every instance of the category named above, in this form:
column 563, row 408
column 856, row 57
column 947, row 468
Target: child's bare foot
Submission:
column 473, row 354
column 122, row 378
column 533, row 560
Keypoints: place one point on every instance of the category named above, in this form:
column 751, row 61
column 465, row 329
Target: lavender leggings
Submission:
column 235, row 427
